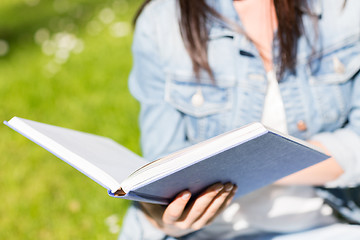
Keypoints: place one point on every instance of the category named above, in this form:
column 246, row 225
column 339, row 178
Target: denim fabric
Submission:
column 324, row 93
column 137, row 227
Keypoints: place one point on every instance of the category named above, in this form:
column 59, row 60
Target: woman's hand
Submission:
column 183, row 216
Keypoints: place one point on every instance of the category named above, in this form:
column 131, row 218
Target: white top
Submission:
column 274, row 112
column 273, row 208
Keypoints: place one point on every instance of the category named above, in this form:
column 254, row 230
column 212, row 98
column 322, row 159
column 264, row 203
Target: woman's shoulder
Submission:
column 158, row 18
column 340, row 16
column 158, row 22
column 160, row 4
column 339, row 22
column 156, row 9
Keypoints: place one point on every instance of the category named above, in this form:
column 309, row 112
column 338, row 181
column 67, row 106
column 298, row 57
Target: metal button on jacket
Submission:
column 197, row 99
column 301, row 125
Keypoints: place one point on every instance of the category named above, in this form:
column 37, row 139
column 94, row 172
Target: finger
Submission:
column 228, row 199
column 215, row 207
column 176, row 208
column 226, row 203
column 200, row 205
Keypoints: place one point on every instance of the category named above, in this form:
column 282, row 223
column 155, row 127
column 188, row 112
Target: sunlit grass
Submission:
column 42, row 197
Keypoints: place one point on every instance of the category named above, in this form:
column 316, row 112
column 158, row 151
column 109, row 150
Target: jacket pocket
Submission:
column 205, row 105
column 331, row 82
column 336, row 66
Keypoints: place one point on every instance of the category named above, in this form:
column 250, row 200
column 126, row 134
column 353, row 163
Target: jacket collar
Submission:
column 316, row 8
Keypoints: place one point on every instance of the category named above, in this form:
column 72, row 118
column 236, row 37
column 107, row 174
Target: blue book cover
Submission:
column 250, row 165
column 251, row 157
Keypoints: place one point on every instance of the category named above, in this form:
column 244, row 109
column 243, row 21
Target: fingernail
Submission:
column 218, row 187
column 228, row 187
column 185, row 196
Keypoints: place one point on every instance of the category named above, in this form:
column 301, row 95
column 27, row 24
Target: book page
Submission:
column 100, row 158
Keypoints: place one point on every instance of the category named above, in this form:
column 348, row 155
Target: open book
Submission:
column 251, row 157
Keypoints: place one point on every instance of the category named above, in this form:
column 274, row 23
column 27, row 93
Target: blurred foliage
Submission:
column 65, row 63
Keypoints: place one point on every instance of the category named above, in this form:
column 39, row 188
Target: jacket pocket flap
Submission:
column 199, row 98
column 338, row 66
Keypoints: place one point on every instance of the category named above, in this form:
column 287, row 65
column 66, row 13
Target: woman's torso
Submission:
column 316, row 99
column 318, row 95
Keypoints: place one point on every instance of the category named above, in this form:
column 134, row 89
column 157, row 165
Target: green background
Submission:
column 63, row 62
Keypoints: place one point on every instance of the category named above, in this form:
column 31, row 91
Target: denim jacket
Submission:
column 321, row 101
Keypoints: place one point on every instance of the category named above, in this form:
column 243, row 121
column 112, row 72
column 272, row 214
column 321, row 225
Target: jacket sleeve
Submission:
column 162, row 126
column 344, row 143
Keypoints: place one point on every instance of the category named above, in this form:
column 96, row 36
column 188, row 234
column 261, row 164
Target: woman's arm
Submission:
column 318, row 174
column 343, row 168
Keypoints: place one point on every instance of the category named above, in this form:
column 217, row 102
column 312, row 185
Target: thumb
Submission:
column 176, row 208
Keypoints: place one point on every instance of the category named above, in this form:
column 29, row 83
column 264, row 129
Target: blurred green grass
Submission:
column 65, row 63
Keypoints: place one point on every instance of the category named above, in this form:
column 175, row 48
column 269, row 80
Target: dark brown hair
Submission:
column 194, row 14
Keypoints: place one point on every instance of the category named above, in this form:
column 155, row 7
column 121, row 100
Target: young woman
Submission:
column 208, row 66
